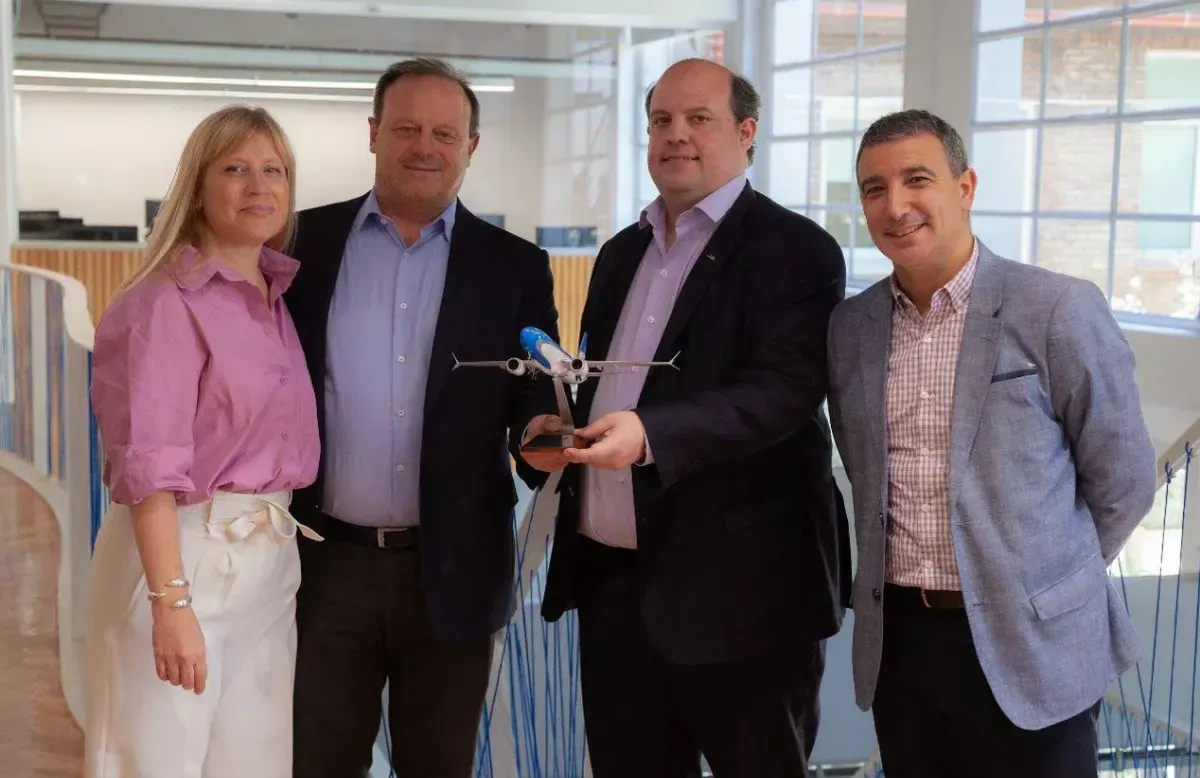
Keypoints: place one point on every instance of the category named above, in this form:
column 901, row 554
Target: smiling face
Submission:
column 244, row 194
column 917, row 210
column 696, row 144
column 422, row 142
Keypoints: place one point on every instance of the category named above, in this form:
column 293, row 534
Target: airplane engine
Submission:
column 515, row 366
column 579, row 371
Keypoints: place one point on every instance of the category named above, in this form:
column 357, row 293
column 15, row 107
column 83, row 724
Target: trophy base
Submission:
column 553, row 442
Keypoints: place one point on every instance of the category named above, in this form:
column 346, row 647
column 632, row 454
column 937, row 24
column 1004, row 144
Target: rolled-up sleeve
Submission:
column 145, row 381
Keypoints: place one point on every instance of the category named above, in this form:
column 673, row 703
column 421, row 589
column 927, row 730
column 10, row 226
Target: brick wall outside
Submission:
column 1077, row 170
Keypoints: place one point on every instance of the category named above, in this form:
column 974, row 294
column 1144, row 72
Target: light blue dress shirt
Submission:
column 381, row 326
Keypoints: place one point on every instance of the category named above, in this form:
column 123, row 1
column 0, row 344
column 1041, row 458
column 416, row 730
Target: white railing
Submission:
column 47, row 432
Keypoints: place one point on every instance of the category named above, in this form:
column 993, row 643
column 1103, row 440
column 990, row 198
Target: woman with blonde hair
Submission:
column 209, row 421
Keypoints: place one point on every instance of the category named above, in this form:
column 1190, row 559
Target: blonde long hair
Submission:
column 180, row 222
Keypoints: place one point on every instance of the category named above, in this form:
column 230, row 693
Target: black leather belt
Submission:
column 931, row 599
column 393, row 538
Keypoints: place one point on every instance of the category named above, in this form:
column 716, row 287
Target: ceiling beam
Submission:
column 671, row 14
column 47, row 51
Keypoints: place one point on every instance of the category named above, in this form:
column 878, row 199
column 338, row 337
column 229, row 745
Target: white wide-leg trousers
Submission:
column 239, row 552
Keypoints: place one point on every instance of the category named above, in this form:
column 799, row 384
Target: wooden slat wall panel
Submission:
column 102, row 270
column 571, row 276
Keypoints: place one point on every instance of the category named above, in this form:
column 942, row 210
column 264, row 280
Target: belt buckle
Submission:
column 380, row 537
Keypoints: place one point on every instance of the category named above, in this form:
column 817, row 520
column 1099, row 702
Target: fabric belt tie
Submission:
column 268, row 514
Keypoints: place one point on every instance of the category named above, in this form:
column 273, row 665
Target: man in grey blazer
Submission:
column 989, row 421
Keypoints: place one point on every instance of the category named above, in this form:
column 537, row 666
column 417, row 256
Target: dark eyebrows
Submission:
column 907, row 172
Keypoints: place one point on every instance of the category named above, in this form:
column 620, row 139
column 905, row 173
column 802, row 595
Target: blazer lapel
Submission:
column 459, row 299
column 976, row 363
column 720, row 246
column 874, row 349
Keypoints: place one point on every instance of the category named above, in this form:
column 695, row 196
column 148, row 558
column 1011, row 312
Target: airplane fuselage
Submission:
column 552, row 358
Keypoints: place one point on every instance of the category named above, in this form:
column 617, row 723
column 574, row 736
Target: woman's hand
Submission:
column 179, row 646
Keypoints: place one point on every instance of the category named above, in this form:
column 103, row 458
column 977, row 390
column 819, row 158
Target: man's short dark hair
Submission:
column 426, row 66
column 911, row 123
column 743, row 101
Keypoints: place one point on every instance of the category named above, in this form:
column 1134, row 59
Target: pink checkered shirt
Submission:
column 920, row 407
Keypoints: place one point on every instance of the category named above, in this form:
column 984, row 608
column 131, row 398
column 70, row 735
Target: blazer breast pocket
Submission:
column 1012, row 375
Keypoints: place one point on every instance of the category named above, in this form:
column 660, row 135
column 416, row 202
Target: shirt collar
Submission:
column 715, row 206
column 192, row 270
column 957, row 289
column 370, row 211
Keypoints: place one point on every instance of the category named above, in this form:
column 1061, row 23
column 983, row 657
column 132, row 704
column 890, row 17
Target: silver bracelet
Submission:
column 174, row 583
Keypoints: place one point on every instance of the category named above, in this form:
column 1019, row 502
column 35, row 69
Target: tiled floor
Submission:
column 38, row 736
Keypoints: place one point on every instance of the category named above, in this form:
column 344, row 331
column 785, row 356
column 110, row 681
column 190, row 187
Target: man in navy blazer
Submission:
column 990, row 425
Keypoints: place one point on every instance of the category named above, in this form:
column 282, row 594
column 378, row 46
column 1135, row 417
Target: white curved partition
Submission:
column 46, row 432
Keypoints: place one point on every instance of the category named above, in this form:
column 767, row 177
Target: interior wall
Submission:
column 99, row 157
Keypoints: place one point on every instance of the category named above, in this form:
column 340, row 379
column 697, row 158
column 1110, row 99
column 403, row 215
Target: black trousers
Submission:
column 936, row 716
column 362, row 621
column 647, row 717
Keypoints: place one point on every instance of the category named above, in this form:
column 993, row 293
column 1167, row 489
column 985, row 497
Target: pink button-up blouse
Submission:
column 199, row 385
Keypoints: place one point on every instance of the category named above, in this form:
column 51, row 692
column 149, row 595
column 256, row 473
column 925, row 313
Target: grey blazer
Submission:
column 1051, row 468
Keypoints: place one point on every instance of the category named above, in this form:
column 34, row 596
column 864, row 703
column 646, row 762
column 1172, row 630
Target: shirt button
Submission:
column 650, row 319
column 283, row 379
column 284, row 435
column 620, row 479
column 924, row 451
column 403, row 306
column 399, row 468
column 662, row 272
column 634, row 368
column 400, row 412
column 924, row 509
column 400, row 360
column 924, row 394
column 267, row 328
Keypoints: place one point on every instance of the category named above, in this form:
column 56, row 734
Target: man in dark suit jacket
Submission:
column 701, row 536
column 415, row 495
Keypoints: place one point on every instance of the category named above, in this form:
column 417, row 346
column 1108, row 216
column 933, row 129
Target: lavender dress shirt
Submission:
column 381, row 326
column 607, row 514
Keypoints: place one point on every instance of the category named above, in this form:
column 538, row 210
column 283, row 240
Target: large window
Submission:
column 836, row 67
column 1085, row 125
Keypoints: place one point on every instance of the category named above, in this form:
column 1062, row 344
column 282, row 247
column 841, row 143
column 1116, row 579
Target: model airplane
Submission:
column 545, row 356
column 548, row 357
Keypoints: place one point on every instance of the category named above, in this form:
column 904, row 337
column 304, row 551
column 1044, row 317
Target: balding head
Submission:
column 744, row 100
column 703, row 119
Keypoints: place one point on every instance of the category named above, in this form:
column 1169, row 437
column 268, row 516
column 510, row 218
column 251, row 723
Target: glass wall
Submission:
column 836, row 67
column 1085, row 126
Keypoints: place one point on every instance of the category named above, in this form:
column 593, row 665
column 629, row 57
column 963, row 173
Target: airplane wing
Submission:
column 625, row 363
column 507, row 364
column 501, row 363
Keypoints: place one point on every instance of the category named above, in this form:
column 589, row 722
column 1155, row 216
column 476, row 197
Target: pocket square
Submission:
column 1011, row 374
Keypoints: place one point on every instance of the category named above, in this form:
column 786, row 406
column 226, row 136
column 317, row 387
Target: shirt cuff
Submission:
column 647, row 456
